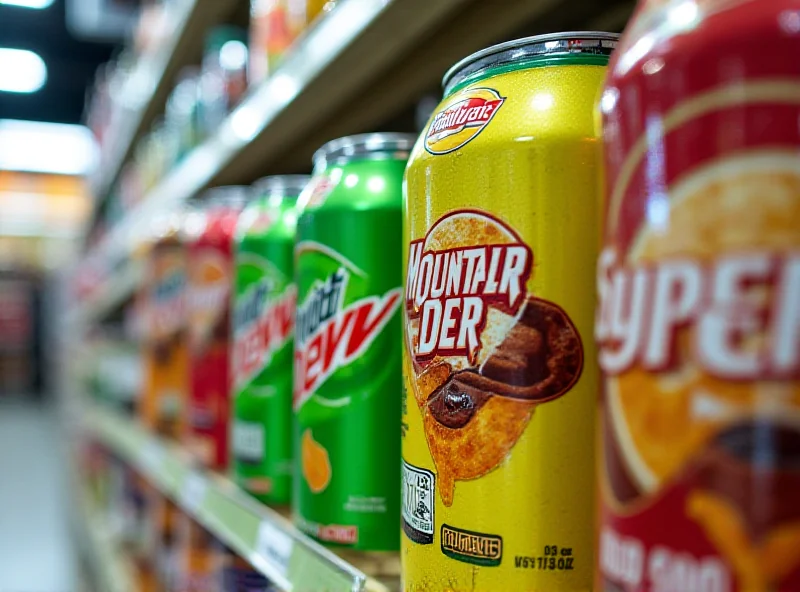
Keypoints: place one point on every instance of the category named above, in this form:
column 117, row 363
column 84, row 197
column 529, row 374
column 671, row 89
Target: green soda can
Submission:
column 347, row 390
column 264, row 301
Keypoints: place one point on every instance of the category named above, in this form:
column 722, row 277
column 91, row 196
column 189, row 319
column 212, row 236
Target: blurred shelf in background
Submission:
column 146, row 88
column 256, row 532
column 108, row 565
column 355, row 69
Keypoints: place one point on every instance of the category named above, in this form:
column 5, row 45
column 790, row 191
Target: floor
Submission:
column 36, row 551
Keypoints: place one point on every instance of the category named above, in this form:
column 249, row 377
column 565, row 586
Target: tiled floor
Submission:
column 36, row 552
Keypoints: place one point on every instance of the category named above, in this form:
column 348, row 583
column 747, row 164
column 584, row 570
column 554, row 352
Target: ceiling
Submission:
column 71, row 63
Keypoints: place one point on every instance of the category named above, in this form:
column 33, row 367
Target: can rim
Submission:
column 363, row 144
column 536, row 45
column 226, row 195
column 287, row 185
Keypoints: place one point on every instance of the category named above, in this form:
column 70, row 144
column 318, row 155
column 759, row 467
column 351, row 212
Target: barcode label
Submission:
column 248, row 441
column 418, row 503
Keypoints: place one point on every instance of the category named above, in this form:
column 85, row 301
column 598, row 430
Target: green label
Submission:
column 348, row 371
column 477, row 548
column 263, row 327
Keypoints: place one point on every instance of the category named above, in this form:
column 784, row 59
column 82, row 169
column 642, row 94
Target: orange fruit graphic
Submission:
column 750, row 203
column 211, row 272
column 316, row 463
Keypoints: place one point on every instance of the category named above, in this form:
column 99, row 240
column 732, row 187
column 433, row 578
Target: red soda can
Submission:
column 210, row 229
column 698, row 328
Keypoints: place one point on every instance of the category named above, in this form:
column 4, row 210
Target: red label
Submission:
column 450, row 290
column 464, row 115
column 643, row 307
column 209, row 313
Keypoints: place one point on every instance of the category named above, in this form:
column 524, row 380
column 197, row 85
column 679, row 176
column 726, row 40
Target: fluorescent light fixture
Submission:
column 37, row 4
column 21, row 71
column 38, row 147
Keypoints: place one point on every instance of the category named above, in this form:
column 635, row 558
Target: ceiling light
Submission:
column 38, row 147
column 233, row 56
column 37, row 4
column 21, row 71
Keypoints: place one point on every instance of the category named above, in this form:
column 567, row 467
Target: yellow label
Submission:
column 501, row 240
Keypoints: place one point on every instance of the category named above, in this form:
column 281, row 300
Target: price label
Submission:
column 275, row 546
column 152, row 458
column 194, row 491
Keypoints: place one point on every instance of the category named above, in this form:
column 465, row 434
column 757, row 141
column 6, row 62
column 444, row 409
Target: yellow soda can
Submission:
column 501, row 241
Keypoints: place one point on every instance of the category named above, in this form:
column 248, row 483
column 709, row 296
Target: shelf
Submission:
column 150, row 83
column 262, row 536
column 330, row 64
column 111, row 571
column 117, row 288
column 358, row 67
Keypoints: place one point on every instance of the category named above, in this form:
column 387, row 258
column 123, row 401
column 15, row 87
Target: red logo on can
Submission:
column 461, row 119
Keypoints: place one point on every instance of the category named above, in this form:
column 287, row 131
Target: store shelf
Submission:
column 117, row 288
column 150, row 83
column 110, row 569
column 355, row 40
column 356, row 68
column 256, row 532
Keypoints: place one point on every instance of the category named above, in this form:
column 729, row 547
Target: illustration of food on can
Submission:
column 484, row 351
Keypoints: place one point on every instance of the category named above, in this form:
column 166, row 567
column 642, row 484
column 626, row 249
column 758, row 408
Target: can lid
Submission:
column 233, row 196
column 286, row 186
column 550, row 44
column 350, row 147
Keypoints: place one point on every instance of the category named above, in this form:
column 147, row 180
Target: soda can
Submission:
column 347, row 343
column 501, row 238
column 210, row 229
column 199, row 558
column 264, row 302
column 165, row 341
column 698, row 326
column 163, row 549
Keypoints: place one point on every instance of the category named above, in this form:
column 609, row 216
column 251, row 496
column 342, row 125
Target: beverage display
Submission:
column 347, row 343
column 136, row 530
column 501, row 240
column 165, row 341
column 699, row 308
column 302, row 13
column 264, row 303
column 223, row 82
column 275, row 27
column 200, row 560
column 165, row 521
column 271, row 35
column 210, row 232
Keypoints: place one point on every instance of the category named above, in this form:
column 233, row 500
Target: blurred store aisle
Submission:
column 35, row 548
